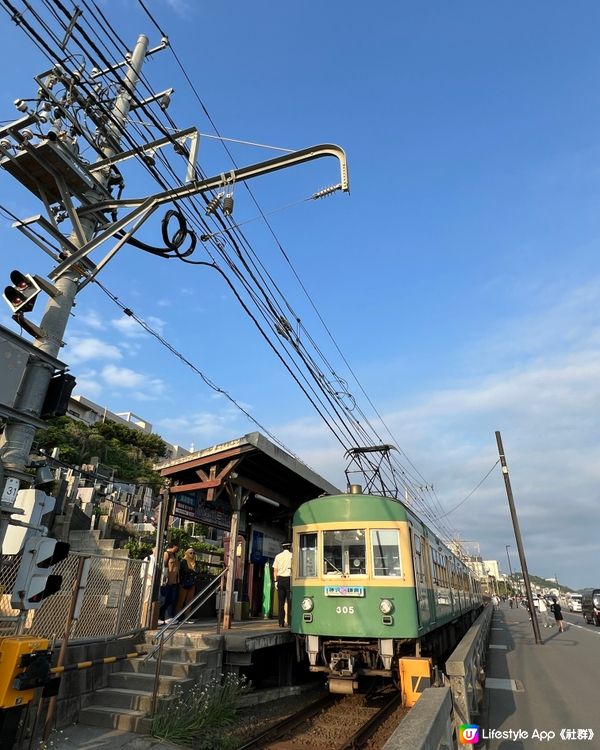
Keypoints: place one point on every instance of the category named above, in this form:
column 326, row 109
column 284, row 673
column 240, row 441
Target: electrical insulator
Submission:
column 213, row 205
column 228, row 205
column 21, row 105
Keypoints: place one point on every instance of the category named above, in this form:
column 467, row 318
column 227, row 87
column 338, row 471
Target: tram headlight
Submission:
column 307, row 604
column 386, row 606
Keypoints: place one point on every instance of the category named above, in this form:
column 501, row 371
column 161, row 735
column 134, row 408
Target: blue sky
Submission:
column 459, row 278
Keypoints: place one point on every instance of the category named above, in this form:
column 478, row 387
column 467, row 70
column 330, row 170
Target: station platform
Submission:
column 540, row 695
column 244, row 636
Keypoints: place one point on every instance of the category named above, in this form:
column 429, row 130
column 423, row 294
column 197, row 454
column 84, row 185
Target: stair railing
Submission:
column 163, row 636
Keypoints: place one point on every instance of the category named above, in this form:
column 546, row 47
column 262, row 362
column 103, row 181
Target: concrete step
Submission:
column 180, row 653
column 124, row 719
column 119, row 698
column 167, row 667
column 145, row 682
column 189, row 640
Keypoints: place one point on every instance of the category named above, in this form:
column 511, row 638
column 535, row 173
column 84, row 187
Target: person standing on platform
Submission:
column 282, row 572
column 170, row 582
column 557, row 609
column 187, row 579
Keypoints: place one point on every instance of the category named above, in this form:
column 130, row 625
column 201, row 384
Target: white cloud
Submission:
column 203, row 427
column 90, row 319
column 129, row 327
column 144, row 387
column 84, row 349
column 88, row 384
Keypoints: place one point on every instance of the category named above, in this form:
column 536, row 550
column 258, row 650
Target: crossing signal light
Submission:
column 58, row 394
column 23, row 292
column 35, row 580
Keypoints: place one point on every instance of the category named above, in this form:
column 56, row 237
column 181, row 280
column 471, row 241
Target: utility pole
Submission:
column 509, row 566
column 44, row 158
column 18, row 436
column 41, row 151
column 515, row 521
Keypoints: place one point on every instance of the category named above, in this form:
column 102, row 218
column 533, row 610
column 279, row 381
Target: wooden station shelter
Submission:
column 250, row 488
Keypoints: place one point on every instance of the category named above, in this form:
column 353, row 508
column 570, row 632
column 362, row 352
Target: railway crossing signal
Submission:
column 21, row 296
column 35, row 580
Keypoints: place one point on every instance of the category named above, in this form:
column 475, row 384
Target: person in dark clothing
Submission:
column 282, row 571
column 557, row 610
column 169, row 583
column 187, row 579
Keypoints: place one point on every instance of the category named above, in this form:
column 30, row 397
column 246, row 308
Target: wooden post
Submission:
column 235, row 495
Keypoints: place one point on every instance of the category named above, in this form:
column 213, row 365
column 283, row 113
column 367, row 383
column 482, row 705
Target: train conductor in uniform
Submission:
column 282, row 571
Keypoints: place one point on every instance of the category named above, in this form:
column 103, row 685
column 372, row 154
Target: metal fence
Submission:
column 113, row 598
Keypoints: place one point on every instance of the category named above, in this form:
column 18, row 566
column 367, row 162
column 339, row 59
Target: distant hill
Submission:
column 543, row 583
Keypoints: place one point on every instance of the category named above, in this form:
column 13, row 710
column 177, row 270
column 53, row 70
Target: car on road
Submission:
column 575, row 603
column 590, row 606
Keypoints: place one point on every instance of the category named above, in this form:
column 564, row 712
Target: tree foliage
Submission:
column 129, row 452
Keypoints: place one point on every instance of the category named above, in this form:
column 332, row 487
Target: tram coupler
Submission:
column 343, row 685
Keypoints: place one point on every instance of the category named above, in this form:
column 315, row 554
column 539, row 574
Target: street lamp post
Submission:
column 509, row 566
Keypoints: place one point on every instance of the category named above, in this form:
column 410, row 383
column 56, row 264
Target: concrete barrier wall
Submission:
column 428, row 725
column 431, row 723
column 466, row 668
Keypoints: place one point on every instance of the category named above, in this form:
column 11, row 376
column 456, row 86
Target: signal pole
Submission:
column 18, row 437
column 515, row 521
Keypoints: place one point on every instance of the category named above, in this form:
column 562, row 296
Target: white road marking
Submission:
column 582, row 627
column 493, row 645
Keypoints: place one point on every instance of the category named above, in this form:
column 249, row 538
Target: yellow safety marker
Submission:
column 415, row 676
column 96, row 662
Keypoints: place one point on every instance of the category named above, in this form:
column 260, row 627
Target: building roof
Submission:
column 252, row 462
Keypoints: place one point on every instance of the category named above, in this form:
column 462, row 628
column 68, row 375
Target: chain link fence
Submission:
column 114, row 595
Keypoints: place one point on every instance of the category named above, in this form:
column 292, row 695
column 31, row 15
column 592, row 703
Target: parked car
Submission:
column 575, row 603
column 590, row 605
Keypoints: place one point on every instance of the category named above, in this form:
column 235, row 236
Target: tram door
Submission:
column 420, row 579
column 429, row 580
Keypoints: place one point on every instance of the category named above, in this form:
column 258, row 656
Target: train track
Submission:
column 330, row 723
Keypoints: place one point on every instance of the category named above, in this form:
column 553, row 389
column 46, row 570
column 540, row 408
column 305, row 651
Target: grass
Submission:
column 199, row 717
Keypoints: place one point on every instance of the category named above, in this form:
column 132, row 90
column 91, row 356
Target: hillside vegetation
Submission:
column 129, row 452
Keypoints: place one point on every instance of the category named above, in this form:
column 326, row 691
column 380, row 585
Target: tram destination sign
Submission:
column 344, row 590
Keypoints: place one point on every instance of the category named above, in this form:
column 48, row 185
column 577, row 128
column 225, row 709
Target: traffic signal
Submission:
column 35, row 504
column 21, row 295
column 35, row 580
column 57, row 398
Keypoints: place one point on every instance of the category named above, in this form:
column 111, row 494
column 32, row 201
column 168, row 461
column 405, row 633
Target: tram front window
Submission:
column 307, row 546
column 344, row 552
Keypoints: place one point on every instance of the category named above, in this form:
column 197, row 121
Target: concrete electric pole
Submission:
column 515, row 521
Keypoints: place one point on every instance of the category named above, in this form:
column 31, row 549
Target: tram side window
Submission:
column 344, row 552
column 386, row 552
column 307, row 564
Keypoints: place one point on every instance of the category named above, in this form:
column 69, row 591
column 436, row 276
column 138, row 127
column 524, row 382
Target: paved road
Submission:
column 541, row 688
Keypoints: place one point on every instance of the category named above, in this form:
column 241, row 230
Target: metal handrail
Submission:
column 198, row 600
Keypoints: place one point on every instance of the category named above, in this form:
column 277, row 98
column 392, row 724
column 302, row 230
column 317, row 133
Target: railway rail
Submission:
column 331, row 723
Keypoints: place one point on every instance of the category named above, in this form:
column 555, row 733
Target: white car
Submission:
column 575, row 603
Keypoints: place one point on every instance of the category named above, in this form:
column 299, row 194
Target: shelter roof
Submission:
column 251, row 462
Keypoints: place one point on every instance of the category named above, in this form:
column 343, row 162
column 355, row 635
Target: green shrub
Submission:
column 201, row 715
column 138, row 550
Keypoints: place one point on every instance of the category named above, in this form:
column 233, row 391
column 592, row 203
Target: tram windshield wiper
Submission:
column 337, row 570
